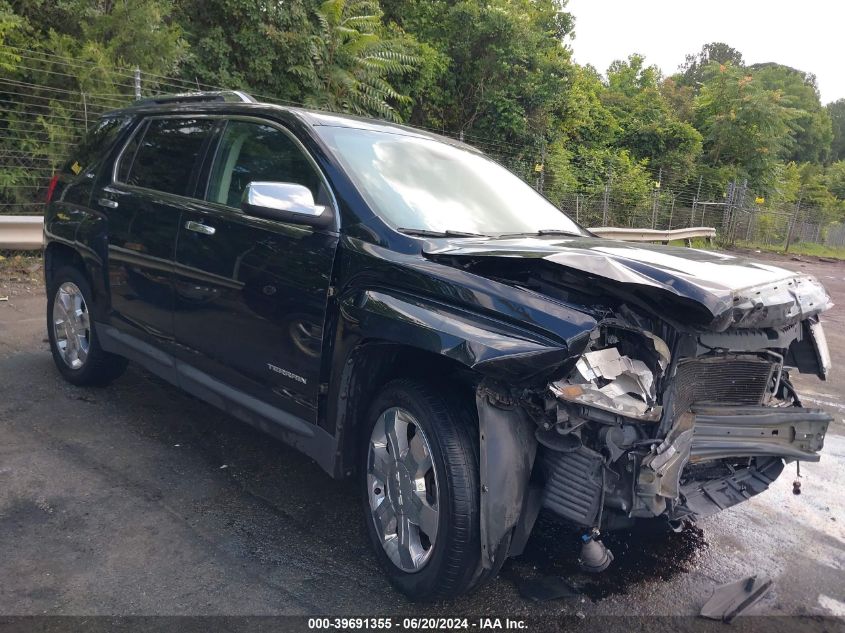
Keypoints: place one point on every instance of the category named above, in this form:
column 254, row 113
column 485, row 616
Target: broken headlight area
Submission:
column 636, row 431
column 619, row 374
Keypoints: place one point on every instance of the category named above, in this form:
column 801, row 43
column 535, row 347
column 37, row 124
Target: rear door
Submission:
column 251, row 293
column 144, row 203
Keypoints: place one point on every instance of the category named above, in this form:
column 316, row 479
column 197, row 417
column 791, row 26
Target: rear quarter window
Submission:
column 163, row 156
column 99, row 139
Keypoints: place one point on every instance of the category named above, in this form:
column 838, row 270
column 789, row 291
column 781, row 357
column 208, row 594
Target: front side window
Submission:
column 251, row 152
column 166, row 155
column 414, row 182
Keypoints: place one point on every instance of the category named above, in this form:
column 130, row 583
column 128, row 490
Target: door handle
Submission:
column 198, row 227
column 108, row 203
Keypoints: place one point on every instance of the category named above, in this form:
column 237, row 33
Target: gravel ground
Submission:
column 140, row 500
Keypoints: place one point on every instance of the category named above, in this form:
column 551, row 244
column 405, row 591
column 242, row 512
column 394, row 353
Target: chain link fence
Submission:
column 47, row 102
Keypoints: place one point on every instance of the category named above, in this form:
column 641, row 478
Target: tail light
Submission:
column 52, row 187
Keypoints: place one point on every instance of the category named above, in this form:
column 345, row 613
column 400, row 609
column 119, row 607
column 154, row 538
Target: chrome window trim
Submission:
column 224, row 117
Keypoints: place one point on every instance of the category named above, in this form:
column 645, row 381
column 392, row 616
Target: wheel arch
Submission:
column 59, row 254
column 369, row 366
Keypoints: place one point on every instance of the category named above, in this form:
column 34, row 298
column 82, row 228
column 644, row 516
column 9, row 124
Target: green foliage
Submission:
column 255, row 45
column 836, row 112
column 835, row 179
column 506, row 71
column 811, row 131
column 744, row 125
column 498, row 72
column 649, row 128
column 351, row 62
column 696, row 68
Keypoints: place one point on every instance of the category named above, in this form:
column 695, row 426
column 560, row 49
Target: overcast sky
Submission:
column 807, row 35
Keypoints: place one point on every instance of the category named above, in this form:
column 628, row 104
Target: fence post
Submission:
column 577, row 208
column 695, row 201
column 794, row 220
column 656, row 201
column 137, row 82
column 671, row 211
column 605, row 202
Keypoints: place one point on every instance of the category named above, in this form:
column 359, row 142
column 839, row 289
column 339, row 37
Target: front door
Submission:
column 251, row 293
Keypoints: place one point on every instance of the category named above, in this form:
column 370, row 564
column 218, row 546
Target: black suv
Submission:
column 406, row 311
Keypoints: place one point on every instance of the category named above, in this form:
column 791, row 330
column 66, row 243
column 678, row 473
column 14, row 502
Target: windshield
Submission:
column 419, row 184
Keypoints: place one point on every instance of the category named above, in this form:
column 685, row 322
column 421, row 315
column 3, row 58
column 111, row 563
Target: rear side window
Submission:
column 97, row 142
column 166, row 155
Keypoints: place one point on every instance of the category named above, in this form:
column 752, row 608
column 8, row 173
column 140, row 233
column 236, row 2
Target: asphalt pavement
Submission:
column 138, row 499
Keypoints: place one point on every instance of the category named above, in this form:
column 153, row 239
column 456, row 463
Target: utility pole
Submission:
column 794, row 220
column 137, row 82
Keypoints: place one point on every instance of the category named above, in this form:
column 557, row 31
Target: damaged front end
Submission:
column 653, row 420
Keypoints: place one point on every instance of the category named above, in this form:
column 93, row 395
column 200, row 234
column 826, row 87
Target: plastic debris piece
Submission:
column 729, row 600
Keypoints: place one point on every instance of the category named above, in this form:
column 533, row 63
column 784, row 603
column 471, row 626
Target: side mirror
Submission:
column 286, row 202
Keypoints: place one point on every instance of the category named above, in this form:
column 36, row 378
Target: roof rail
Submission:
column 232, row 96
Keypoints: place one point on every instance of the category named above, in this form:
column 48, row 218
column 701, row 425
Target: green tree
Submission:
column 745, row 126
column 811, row 130
column 695, row 70
column 835, row 177
column 836, row 112
column 650, row 130
column 352, row 63
column 72, row 67
column 506, row 72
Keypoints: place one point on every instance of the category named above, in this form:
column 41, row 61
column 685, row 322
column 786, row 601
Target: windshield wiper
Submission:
column 541, row 232
column 448, row 233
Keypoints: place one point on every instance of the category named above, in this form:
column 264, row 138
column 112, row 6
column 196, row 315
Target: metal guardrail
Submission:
column 655, row 235
column 24, row 233
column 21, row 232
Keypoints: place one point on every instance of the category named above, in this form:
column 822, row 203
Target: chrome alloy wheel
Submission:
column 402, row 489
column 71, row 325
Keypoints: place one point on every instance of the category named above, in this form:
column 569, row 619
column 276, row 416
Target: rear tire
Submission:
column 432, row 489
column 73, row 338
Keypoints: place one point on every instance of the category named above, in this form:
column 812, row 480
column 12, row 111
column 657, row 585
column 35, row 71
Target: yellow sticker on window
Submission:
column 76, row 168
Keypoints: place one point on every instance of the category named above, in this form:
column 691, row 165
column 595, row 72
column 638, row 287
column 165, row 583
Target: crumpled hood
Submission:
column 736, row 291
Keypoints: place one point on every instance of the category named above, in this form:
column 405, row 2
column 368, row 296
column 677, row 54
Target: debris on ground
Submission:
column 731, row 599
column 546, row 588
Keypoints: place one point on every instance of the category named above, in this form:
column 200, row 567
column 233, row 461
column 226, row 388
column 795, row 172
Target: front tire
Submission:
column 421, row 489
column 73, row 339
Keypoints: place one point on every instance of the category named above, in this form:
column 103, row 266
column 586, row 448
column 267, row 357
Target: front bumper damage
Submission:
column 640, row 429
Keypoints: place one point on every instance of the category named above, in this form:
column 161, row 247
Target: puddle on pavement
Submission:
column 640, row 554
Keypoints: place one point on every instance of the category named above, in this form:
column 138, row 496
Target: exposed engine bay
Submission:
column 659, row 416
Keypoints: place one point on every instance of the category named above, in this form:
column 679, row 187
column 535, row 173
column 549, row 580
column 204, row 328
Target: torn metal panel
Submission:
column 606, row 379
column 789, row 432
column 660, row 470
column 736, row 292
column 492, row 347
column 507, row 451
